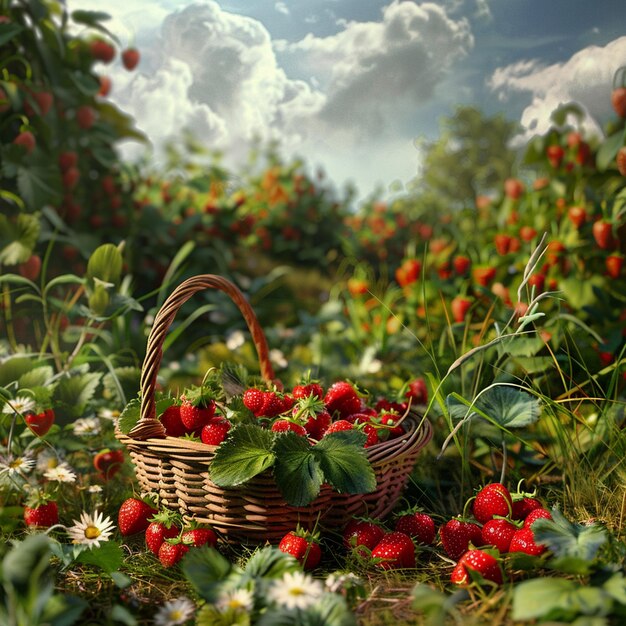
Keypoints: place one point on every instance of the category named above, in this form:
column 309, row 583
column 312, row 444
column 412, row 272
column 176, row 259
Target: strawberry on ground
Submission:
column 360, row 533
column 108, row 462
column 457, row 534
column 395, row 551
column 498, row 533
column 303, row 546
column 171, row 552
column 478, row 561
column 521, row 508
column 493, row 499
column 161, row 527
column 523, row 540
column 536, row 514
column 418, row 525
column 134, row 515
column 196, row 537
column 42, row 515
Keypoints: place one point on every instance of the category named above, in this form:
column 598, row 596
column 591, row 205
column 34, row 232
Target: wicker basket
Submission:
column 176, row 469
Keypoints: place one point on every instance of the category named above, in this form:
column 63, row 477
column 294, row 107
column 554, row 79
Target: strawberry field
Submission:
column 244, row 397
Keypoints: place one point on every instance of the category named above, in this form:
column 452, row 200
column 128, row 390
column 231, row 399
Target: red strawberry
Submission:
column 537, row 281
column 343, row 398
column 418, row 525
column 133, row 516
column 502, row 242
column 30, row 269
column 42, row 515
column 535, row 515
column 196, row 537
column 527, row 233
column 417, row 392
column 67, row 159
column 620, row 160
column 102, row 50
column 172, row 422
column 396, row 549
column 390, row 421
column 478, row 561
column 456, row 535
column 86, row 117
column 461, row 264
column 70, row 178
column 273, row 404
column 308, row 389
column 195, row 417
column 108, row 462
column 555, row 155
column 40, row 423
column 27, row 140
column 303, row 547
column 618, row 100
column 613, row 264
column 362, row 532
column 513, row 188
column 317, row 425
column 215, row 431
column 171, row 553
column 523, row 540
column 521, row 508
column 408, row 272
column 253, row 400
column 460, row 306
column 130, row 58
column 161, row 527
column 105, row 86
column 338, row 426
column 285, row 425
column 498, row 533
column 603, row 234
column 577, row 215
column 484, row 275
column 493, row 499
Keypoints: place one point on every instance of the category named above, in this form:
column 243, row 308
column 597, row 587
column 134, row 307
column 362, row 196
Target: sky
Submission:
column 354, row 87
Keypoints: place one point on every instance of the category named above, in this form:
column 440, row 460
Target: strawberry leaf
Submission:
column 269, row 562
column 345, row 465
column 297, row 471
column 246, row 452
column 108, row 556
column 129, row 416
column 206, row 569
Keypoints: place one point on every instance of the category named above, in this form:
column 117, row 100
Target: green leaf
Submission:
column 271, row 563
column 296, row 469
column 559, row 115
column 105, row 264
column 64, row 610
column 129, row 416
column 37, row 377
column 565, row 538
column 108, row 556
column 246, row 452
column 73, row 393
column 89, row 18
column 9, row 31
column 18, row 238
column 38, row 184
column 14, row 368
column 608, row 149
column 616, row 587
column 122, row 615
column 206, row 570
column 344, row 462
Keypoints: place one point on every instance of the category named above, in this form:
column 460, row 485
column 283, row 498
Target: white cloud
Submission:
column 585, row 78
column 281, row 7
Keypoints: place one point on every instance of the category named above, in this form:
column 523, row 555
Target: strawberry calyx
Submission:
column 308, row 406
column 167, row 517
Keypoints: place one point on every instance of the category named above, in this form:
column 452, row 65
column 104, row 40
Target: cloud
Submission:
column 281, row 7
column 585, row 78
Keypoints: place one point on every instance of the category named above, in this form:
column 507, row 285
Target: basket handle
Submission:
column 148, row 424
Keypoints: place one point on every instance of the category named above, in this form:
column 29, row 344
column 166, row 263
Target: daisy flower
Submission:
column 20, row 404
column 278, row 358
column 13, row 469
column 62, row 473
column 337, row 582
column 94, row 489
column 175, row 612
column 46, row 459
column 235, row 340
column 90, row 530
column 237, row 600
column 86, row 426
column 295, row 590
column 108, row 414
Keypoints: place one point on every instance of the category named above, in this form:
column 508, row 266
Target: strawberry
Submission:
column 161, row 527
column 108, row 462
column 171, row 552
column 196, row 537
column 613, row 264
column 537, row 281
column 372, row 435
column 417, row 392
column 317, row 425
column 253, row 400
column 170, row 418
column 130, row 58
column 502, row 242
column 303, row 547
column 420, row 526
column 342, row 398
column 523, row 540
column 70, row 178
column 456, row 535
column 603, row 234
column 461, row 264
column 478, row 561
column 618, row 100
column 493, row 499
column 460, row 306
column 285, row 425
column 521, row 508
column 513, row 188
column 555, row 154
column 308, row 389
column 40, row 423
column 67, row 159
column 577, row 215
column 536, row 514
column 86, row 117
column 484, row 274
column 408, row 272
column 215, row 431
column 105, row 86
column 498, row 533
column 357, row 286
column 42, row 515
column 102, row 50
column 27, row 140
column 195, row 417
column 620, row 160
column 396, row 550
column 274, row 404
column 390, row 422
column 362, row 532
column 338, row 426
column 133, row 516
column 527, row 233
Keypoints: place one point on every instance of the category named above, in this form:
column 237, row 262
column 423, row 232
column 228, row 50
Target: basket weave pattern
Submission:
column 177, row 469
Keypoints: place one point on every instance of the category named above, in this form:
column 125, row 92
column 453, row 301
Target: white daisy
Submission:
column 278, row 358
column 62, row 473
column 86, row 426
column 47, row 458
column 20, row 404
column 235, row 340
column 295, row 590
column 336, row 582
column 175, row 612
column 94, row 489
column 108, row 414
column 14, row 466
column 90, row 530
column 237, row 600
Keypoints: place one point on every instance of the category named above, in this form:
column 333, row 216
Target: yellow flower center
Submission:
column 92, row 532
column 296, row 591
column 15, row 463
column 176, row 614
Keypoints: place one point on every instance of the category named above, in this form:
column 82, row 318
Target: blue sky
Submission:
column 353, row 85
